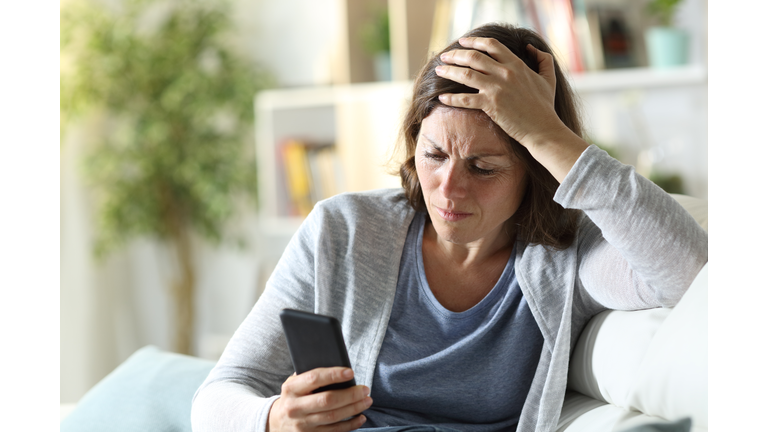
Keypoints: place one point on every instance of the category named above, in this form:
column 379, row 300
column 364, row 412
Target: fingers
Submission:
column 546, row 64
column 328, row 408
column 493, row 73
column 493, row 47
column 345, row 401
column 345, row 426
column 303, row 403
column 462, row 100
column 498, row 52
column 464, row 75
column 300, row 409
column 334, row 413
column 304, row 384
column 470, row 58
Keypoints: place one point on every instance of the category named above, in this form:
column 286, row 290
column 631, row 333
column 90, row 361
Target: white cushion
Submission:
column 654, row 361
column 671, row 382
column 605, row 418
column 610, row 351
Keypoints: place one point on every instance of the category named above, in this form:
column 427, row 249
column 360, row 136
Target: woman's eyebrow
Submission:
column 434, row 144
column 487, row 155
column 437, row 147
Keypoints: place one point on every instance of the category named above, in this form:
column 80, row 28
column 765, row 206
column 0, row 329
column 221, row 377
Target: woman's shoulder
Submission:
column 377, row 203
column 375, row 217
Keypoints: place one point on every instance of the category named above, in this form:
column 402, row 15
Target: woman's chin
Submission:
column 453, row 234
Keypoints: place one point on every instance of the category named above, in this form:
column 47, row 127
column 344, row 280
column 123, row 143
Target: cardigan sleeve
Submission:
column 239, row 392
column 638, row 248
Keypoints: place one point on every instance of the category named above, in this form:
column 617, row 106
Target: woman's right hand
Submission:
column 298, row 409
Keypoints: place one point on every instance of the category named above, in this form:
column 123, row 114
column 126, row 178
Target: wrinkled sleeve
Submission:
column 240, row 390
column 638, row 248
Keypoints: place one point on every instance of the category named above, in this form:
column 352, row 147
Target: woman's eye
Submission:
column 482, row 171
column 433, row 156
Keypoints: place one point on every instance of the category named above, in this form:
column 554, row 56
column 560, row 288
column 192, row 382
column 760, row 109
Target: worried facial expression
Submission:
column 471, row 181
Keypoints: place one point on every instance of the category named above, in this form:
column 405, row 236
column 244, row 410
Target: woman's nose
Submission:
column 453, row 181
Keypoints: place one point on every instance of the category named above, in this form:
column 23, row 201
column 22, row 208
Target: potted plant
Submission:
column 175, row 161
column 667, row 45
column 375, row 38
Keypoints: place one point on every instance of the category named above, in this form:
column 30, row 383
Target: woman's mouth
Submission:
column 452, row 215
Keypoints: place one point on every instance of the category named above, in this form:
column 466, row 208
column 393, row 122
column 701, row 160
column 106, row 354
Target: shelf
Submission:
column 360, row 120
column 625, row 79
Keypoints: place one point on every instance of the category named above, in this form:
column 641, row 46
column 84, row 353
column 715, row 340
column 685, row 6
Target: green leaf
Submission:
column 177, row 155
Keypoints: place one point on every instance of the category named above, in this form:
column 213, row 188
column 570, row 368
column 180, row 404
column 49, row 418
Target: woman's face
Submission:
column 471, row 181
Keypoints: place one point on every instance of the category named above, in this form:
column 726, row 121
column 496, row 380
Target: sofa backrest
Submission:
column 653, row 361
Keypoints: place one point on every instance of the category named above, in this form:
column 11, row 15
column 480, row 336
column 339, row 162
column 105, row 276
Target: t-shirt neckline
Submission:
column 486, row 302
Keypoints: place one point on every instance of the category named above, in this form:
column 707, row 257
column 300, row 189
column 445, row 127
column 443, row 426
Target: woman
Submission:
column 462, row 296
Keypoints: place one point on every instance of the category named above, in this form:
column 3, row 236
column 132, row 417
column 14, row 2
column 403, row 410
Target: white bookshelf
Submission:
column 646, row 78
column 363, row 120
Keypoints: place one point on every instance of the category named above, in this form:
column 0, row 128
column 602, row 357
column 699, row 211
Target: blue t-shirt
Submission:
column 468, row 370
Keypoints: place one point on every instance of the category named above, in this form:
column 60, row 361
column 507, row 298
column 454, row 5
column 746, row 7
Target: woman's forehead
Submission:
column 462, row 127
column 446, row 112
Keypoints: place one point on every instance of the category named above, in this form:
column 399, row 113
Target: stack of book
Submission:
column 583, row 37
column 311, row 173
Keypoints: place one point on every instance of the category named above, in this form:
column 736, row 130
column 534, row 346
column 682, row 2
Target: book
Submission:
column 556, row 20
column 313, row 173
column 584, row 37
column 297, row 177
column 615, row 35
column 595, row 38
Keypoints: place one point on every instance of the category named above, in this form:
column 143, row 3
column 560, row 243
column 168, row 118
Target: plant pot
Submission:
column 667, row 47
column 382, row 66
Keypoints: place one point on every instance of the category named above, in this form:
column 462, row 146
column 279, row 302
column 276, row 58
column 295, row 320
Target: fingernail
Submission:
column 347, row 373
column 362, row 419
column 439, row 70
column 443, row 98
column 443, row 56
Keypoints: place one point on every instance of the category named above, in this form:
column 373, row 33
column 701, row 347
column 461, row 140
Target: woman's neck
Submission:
column 476, row 253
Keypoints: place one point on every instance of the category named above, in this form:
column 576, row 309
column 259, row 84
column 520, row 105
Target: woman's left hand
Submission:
column 519, row 100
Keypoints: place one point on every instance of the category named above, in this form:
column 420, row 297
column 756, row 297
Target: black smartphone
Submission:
column 315, row 341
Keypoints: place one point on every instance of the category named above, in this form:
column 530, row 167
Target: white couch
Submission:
column 649, row 366
column 628, row 369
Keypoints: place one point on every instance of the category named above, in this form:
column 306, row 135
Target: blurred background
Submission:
column 196, row 135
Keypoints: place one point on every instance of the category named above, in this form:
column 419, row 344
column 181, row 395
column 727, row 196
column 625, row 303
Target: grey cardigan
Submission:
column 636, row 248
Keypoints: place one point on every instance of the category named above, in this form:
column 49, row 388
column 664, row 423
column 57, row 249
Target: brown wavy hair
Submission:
column 539, row 219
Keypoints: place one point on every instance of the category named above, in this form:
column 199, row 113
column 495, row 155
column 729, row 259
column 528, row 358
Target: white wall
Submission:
column 297, row 39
